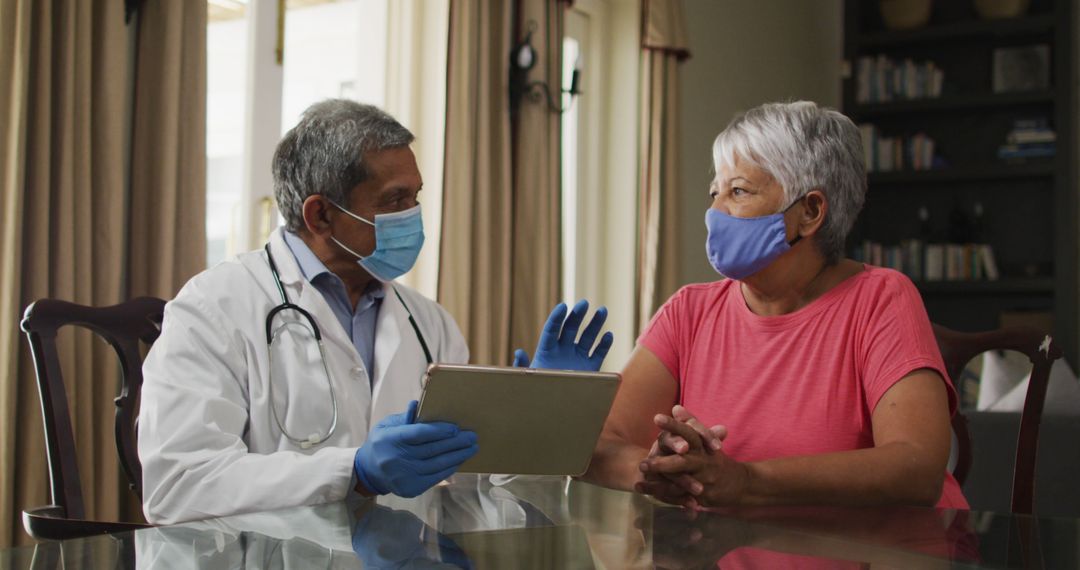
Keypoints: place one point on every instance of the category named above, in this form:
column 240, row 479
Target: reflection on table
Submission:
column 553, row 523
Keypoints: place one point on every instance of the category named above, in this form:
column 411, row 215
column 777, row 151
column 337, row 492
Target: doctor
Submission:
column 288, row 375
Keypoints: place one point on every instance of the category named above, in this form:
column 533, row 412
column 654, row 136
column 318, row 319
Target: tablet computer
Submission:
column 528, row 421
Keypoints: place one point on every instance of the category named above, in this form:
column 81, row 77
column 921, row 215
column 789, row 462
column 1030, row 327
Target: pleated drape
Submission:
column 71, row 224
column 499, row 271
column 536, row 273
column 663, row 48
column 168, row 155
column 477, row 229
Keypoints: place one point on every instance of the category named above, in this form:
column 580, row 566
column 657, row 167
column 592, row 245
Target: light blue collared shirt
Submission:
column 359, row 324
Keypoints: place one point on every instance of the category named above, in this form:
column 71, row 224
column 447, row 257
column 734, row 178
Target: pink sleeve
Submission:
column 899, row 341
column 663, row 336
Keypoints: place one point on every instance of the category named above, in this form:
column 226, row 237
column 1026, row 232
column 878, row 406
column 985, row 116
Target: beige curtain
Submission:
column 63, row 106
column 537, row 255
column 14, row 74
column 477, row 233
column 168, row 158
column 499, row 271
column 663, row 48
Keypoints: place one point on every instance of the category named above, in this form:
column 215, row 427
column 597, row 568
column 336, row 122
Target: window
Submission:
column 226, row 48
column 332, row 48
column 600, row 163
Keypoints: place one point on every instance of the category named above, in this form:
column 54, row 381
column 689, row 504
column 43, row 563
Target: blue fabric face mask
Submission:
column 398, row 239
column 740, row 247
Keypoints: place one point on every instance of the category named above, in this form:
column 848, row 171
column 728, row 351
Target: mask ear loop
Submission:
column 356, row 217
column 798, row 237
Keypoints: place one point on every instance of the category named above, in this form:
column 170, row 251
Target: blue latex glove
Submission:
column 407, row 458
column 557, row 348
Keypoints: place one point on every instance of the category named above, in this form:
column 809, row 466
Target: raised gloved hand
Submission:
column 407, row 458
column 557, row 348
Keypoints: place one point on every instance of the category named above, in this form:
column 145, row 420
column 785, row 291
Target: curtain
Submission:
column 499, row 268
column 68, row 230
column 167, row 230
column 536, row 273
column 477, row 234
column 415, row 67
column 663, row 42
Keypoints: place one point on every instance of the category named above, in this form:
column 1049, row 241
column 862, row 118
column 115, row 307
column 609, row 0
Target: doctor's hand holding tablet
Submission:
column 406, row 457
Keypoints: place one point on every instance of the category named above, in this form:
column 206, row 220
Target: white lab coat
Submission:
column 207, row 439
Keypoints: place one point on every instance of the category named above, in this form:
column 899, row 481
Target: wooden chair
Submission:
column 957, row 349
column 123, row 326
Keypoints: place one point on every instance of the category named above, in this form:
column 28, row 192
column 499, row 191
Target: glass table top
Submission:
column 534, row 522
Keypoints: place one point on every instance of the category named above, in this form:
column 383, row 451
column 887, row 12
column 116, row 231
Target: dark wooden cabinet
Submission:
column 1024, row 208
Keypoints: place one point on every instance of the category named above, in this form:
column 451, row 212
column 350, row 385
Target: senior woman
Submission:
column 819, row 375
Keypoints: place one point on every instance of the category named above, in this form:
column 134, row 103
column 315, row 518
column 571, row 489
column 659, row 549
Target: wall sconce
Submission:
column 522, row 59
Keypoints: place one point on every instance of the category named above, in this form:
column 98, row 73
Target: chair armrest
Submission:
column 51, row 523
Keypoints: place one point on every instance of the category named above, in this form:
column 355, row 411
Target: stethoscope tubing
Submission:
column 286, row 305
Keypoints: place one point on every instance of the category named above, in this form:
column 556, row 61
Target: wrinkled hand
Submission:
column 687, row 466
column 676, row 489
column 407, row 458
column 668, row 443
column 386, row 538
column 557, row 348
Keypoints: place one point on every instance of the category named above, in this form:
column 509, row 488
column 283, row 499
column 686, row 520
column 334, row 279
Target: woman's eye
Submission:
column 736, row 191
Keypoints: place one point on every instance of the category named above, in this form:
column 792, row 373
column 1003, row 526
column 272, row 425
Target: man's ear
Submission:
column 812, row 216
column 316, row 211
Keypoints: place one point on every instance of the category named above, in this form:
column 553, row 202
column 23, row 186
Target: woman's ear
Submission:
column 812, row 217
column 316, row 215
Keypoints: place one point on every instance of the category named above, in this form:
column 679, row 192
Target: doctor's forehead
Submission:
column 393, row 167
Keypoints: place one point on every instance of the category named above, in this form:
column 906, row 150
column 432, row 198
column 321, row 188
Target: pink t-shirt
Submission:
column 803, row 383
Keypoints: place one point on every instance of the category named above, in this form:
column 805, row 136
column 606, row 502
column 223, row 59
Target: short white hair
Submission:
column 804, row 147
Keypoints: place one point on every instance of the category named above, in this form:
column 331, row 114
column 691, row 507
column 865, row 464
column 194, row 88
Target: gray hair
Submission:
column 805, row 147
column 324, row 154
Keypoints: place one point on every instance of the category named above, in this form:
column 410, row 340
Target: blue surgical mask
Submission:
column 398, row 239
column 740, row 247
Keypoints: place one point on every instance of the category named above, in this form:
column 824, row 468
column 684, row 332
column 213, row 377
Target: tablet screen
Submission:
column 528, row 421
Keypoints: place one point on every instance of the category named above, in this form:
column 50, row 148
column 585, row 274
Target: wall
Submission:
column 744, row 54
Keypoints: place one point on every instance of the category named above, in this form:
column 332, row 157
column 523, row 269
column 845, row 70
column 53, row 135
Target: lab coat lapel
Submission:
column 388, row 330
column 399, row 359
column 304, row 294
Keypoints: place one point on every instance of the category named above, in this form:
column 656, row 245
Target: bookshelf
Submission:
column 950, row 103
column 1024, row 208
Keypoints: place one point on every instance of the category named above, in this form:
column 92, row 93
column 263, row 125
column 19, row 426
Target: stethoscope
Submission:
column 271, row 335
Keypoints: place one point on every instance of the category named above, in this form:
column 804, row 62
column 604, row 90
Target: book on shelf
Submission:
column 932, row 261
column 889, row 154
column 1029, row 138
column 880, row 79
column 1038, row 150
column 989, row 264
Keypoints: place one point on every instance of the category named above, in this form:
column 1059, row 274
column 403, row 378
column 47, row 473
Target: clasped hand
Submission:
column 560, row 349
column 407, row 458
column 687, row 465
